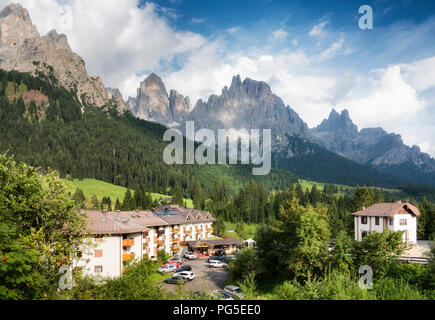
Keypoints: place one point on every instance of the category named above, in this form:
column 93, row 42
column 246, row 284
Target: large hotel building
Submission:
column 119, row 237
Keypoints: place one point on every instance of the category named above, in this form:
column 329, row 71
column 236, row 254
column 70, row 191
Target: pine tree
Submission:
column 95, row 203
column 118, row 205
column 128, row 203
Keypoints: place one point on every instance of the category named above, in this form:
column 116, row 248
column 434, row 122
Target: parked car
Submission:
column 216, row 264
column 187, row 274
column 216, row 258
column 234, row 292
column 221, row 295
column 190, row 255
column 168, row 268
column 184, row 268
column 177, row 260
column 176, row 280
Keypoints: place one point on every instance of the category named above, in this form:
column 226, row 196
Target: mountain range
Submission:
column 251, row 104
column 335, row 151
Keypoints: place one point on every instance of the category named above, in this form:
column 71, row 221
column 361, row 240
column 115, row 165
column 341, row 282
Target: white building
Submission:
column 120, row 237
column 392, row 216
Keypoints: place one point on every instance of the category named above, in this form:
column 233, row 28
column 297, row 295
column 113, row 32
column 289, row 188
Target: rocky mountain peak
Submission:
column 154, row 104
column 24, row 50
column 16, row 26
column 338, row 123
column 153, row 82
column 60, row 40
column 15, row 9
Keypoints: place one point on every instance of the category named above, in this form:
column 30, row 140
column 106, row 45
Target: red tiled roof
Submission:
column 388, row 210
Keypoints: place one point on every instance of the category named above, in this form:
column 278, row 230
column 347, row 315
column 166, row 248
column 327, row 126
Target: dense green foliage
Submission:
column 41, row 229
column 297, row 257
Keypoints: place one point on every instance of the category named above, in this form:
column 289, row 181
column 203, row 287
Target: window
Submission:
column 403, row 222
column 98, row 269
column 98, row 253
column 391, row 221
column 377, row 221
column 364, row 234
column 364, row 220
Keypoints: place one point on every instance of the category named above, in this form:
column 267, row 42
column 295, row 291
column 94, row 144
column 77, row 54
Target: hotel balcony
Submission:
column 189, row 232
column 127, row 256
column 175, row 229
column 128, row 242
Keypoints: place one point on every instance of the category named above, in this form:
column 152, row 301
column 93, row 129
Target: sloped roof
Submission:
column 174, row 214
column 388, row 210
column 100, row 223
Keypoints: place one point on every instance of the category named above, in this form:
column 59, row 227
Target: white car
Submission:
column 216, row 264
column 190, row 255
column 234, row 292
column 168, row 268
column 187, row 274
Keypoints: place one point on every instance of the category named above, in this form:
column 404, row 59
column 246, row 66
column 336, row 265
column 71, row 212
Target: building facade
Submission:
column 117, row 238
column 392, row 216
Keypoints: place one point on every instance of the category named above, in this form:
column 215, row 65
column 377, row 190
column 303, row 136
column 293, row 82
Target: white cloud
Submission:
column 198, row 20
column 331, row 51
column 278, row 35
column 319, row 29
column 233, row 30
column 386, row 100
column 421, row 74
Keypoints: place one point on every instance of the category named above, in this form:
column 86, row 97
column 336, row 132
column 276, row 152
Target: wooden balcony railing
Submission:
column 128, row 242
column 127, row 256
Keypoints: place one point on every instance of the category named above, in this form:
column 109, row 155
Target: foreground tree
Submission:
column 379, row 250
column 41, row 228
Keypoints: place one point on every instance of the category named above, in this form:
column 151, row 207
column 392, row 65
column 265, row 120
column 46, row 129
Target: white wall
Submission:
column 372, row 227
column 111, row 261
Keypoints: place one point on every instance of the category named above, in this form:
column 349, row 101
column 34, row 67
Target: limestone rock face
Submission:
column 23, row 49
column 154, row 104
column 372, row 146
column 248, row 105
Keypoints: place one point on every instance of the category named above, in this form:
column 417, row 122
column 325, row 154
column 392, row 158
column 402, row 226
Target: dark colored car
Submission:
column 176, row 280
column 184, row 268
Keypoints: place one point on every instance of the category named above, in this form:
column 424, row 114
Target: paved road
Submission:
column 207, row 279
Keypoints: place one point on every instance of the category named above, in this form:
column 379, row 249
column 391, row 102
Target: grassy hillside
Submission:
column 102, row 189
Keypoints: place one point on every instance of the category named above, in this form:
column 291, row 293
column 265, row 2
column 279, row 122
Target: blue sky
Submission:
column 312, row 53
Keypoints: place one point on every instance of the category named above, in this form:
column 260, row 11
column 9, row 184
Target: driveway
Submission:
column 207, row 279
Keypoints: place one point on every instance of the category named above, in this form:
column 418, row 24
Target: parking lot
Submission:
column 207, row 279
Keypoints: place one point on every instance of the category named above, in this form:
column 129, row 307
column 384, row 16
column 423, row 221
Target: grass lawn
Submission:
column 102, row 189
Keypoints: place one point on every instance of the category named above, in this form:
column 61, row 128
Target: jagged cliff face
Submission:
column 372, row 146
column 250, row 105
column 154, row 104
column 23, row 49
